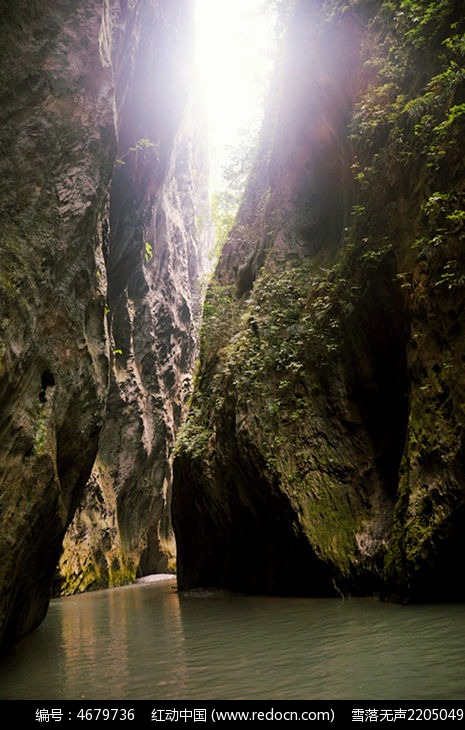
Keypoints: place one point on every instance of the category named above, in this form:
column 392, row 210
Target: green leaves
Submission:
column 426, row 19
column 452, row 275
column 142, row 144
column 148, row 252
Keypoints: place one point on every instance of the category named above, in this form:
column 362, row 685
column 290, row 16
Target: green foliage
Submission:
column 148, row 252
column 452, row 275
column 224, row 207
column 438, row 122
column 142, row 144
column 425, row 20
column 192, row 438
column 241, row 158
column 41, row 419
column 225, row 202
column 445, row 217
column 407, row 129
column 292, row 319
column 455, row 115
column 220, row 319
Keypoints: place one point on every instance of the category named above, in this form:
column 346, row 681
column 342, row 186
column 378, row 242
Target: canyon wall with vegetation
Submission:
column 324, row 449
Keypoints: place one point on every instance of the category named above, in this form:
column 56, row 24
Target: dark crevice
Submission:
column 47, row 381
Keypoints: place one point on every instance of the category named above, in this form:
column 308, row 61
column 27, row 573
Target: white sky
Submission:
column 234, row 48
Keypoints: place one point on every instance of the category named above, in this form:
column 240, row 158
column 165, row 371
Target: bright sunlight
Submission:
column 235, row 43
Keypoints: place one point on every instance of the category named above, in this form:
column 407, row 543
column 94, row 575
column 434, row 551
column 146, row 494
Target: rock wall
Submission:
column 160, row 236
column 323, row 453
column 58, row 147
column 94, row 326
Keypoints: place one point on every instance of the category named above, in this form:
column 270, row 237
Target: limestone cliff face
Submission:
column 94, row 327
column 58, row 147
column 159, row 240
column 324, row 449
column 123, row 525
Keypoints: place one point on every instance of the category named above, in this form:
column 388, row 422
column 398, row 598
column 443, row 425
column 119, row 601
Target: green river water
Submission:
column 146, row 641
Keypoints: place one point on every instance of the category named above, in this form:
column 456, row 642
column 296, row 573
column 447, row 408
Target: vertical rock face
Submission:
column 94, row 326
column 159, row 240
column 58, row 145
column 324, row 447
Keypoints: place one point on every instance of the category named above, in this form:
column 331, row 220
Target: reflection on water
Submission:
column 116, row 646
column 147, row 642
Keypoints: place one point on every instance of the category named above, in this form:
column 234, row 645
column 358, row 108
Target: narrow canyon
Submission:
column 287, row 420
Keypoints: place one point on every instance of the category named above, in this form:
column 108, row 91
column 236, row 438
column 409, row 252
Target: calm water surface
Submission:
column 147, row 642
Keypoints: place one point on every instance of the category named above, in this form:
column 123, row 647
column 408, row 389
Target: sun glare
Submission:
column 235, row 40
